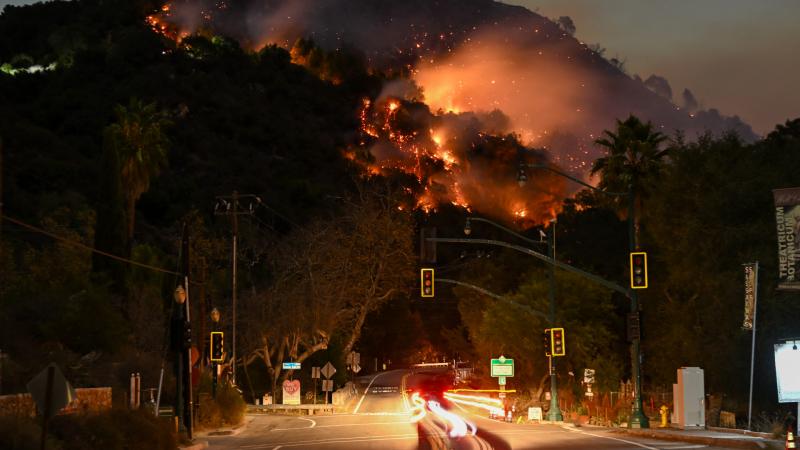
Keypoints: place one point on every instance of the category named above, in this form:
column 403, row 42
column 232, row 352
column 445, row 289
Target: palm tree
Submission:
column 634, row 160
column 139, row 140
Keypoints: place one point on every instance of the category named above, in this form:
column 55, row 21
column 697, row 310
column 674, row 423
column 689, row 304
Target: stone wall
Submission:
column 89, row 400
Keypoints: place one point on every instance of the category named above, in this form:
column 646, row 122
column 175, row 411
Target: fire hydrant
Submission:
column 664, row 411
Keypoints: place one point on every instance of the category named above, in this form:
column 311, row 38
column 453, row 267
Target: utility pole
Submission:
column 189, row 411
column 229, row 206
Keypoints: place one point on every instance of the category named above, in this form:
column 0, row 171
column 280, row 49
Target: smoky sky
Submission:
column 739, row 56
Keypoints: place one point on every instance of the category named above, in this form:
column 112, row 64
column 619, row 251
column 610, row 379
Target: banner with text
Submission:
column 787, row 218
column 750, row 282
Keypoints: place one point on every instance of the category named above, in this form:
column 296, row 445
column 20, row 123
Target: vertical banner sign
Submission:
column 787, row 218
column 749, row 294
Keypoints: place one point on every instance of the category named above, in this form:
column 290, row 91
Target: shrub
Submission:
column 209, row 415
column 231, row 404
column 117, row 429
column 22, row 433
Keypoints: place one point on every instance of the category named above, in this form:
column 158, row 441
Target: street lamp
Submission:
column 554, row 414
column 638, row 418
column 215, row 316
column 178, row 342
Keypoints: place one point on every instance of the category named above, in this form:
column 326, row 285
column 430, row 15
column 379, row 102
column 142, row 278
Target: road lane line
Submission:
column 355, row 411
column 313, row 424
column 612, row 438
column 333, row 440
column 341, row 425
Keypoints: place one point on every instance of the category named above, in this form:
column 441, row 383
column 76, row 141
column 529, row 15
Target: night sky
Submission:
column 739, row 56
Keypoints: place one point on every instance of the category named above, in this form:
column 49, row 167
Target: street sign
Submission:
column 291, row 366
column 315, row 372
column 61, row 392
column 502, row 367
column 291, row 392
column 353, row 358
column 356, row 368
column 588, row 376
column 534, row 413
column 328, row 370
column 327, row 385
column 501, row 381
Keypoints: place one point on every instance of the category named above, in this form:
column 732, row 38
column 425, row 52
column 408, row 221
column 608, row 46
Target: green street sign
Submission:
column 502, row 367
column 501, row 381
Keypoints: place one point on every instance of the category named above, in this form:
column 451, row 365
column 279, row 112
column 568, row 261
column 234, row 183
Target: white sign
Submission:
column 787, row 370
column 315, row 372
column 328, row 370
column 534, row 413
column 291, row 392
column 291, row 366
column 327, row 385
column 588, row 376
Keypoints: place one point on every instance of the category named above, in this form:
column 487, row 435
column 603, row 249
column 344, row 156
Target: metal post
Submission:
column 233, row 287
column 189, row 396
column 753, row 347
column 554, row 414
column 48, row 400
column 638, row 418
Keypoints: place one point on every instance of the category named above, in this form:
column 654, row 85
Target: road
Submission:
column 381, row 418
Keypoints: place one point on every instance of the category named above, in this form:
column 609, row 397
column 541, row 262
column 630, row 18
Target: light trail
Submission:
column 486, row 403
column 458, row 426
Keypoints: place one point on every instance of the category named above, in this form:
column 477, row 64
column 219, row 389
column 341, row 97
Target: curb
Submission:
column 225, row 432
column 199, row 445
column 711, row 441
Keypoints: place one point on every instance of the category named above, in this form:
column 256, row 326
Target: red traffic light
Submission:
column 557, row 341
column 638, row 270
column 426, row 285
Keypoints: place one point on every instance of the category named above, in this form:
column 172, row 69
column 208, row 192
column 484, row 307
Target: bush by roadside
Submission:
column 113, row 430
column 227, row 409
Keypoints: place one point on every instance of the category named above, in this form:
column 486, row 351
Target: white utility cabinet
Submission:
column 690, row 398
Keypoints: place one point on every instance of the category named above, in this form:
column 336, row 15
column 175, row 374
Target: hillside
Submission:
column 468, row 55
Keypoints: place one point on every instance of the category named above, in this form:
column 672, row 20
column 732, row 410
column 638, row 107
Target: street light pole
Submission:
column 638, row 419
column 554, row 414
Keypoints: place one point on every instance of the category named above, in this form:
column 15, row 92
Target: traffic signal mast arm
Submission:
column 493, row 295
column 609, row 284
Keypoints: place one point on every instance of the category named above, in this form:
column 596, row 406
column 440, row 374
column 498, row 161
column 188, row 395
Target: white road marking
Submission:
column 670, row 447
column 355, row 411
column 612, row 438
column 313, row 424
column 334, row 441
column 343, row 425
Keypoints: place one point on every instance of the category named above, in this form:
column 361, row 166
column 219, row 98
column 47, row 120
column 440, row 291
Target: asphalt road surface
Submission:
column 386, row 416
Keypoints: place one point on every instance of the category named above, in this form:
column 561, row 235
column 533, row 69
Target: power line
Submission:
column 86, row 247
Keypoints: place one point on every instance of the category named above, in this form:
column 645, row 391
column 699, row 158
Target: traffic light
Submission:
column 557, row 338
column 547, row 343
column 638, row 270
column 426, row 282
column 216, row 346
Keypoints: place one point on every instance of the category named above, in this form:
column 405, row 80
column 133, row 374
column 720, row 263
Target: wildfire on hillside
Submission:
column 454, row 156
column 454, row 161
